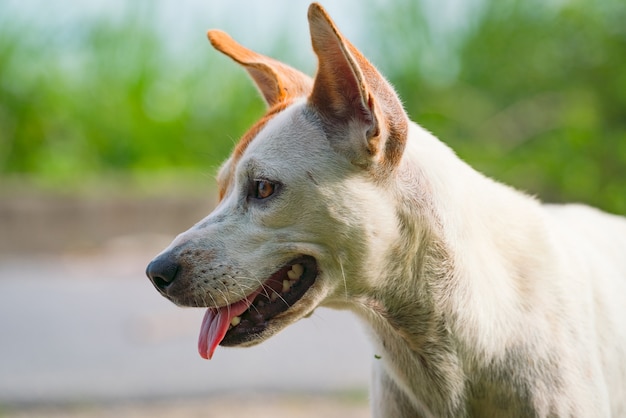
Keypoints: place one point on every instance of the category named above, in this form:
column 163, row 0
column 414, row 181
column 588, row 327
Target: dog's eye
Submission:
column 263, row 189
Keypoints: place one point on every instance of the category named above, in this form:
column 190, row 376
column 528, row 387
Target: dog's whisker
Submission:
column 202, row 300
column 225, row 299
column 243, row 290
column 263, row 287
column 212, row 300
column 227, row 290
column 343, row 276
column 279, row 296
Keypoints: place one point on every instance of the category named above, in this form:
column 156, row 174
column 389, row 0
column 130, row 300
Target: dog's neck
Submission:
column 448, row 213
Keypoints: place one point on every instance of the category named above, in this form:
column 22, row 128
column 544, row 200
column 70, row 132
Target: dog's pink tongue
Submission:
column 215, row 325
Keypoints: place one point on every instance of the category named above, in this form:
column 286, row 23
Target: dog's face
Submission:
column 300, row 199
column 278, row 236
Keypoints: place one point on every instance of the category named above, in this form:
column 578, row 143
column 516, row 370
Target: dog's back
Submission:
column 591, row 245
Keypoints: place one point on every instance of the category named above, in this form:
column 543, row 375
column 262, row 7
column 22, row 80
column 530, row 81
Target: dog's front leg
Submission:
column 388, row 400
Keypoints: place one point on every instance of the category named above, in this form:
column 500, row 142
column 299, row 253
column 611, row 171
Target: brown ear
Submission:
column 348, row 89
column 277, row 82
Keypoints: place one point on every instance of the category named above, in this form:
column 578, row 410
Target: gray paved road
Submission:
column 91, row 328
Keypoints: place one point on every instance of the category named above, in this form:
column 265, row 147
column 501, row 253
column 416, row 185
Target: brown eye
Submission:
column 263, row 189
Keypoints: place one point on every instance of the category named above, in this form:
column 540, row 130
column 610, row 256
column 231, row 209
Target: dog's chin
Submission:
column 286, row 297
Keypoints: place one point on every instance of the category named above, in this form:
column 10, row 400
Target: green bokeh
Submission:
column 532, row 93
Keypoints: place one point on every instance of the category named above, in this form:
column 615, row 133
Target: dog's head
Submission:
column 301, row 197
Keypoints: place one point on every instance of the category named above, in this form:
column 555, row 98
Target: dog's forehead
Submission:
column 288, row 135
column 282, row 136
column 226, row 172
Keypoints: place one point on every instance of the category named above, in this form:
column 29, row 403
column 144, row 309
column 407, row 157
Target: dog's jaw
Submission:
column 252, row 319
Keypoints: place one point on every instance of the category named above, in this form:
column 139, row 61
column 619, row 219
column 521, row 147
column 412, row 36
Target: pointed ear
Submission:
column 276, row 81
column 349, row 92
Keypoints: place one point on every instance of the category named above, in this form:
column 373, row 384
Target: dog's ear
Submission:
column 277, row 82
column 350, row 93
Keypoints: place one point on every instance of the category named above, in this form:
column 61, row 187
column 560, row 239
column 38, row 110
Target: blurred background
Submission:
column 114, row 116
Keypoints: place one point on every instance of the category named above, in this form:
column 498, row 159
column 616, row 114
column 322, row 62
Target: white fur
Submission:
column 482, row 302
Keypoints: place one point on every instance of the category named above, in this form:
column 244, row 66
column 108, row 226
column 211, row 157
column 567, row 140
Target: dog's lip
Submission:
column 245, row 320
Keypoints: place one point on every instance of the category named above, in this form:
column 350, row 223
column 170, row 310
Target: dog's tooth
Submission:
column 296, row 272
column 274, row 296
column 235, row 321
column 286, row 285
column 298, row 268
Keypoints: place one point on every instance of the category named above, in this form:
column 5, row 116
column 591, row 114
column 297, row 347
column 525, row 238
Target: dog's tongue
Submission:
column 215, row 325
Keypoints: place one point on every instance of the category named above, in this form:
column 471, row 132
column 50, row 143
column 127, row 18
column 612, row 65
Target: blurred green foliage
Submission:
column 105, row 97
column 530, row 92
column 537, row 96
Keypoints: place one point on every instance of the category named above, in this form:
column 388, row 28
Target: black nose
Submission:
column 162, row 271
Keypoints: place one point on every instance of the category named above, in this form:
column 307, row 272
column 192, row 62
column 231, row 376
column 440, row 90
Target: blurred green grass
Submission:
column 532, row 93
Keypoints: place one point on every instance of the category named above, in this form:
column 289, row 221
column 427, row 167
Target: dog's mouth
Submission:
column 245, row 320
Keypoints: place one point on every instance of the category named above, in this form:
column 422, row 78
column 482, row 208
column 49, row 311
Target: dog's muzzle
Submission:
column 232, row 322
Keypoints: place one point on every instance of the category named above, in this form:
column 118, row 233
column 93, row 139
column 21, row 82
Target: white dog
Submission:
column 481, row 301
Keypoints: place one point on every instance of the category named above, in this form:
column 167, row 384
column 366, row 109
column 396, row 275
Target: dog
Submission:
column 481, row 301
